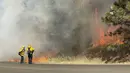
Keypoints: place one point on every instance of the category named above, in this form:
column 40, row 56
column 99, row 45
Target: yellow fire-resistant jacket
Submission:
column 22, row 51
column 31, row 49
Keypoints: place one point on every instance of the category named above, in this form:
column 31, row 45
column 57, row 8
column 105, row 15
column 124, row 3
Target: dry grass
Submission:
column 118, row 54
column 114, row 54
column 82, row 60
column 73, row 60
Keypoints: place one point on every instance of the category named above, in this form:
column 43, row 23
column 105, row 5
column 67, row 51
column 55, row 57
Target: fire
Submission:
column 41, row 59
column 14, row 60
column 104, row 40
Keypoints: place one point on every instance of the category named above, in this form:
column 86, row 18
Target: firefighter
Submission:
column 21, row 53
column 30, row 51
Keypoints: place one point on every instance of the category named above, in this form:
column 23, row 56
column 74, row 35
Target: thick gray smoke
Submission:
column 46, row 24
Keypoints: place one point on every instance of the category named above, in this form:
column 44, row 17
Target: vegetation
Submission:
column 119, row 14
column 110, row 53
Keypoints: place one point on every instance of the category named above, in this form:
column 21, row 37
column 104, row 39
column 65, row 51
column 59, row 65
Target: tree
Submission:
column 119, row 14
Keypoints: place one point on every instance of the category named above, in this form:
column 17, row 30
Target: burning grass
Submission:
column 90, row 58
column 40, row 59
column 105, row 51
column 112, row 53
column 108, row 49
column 64, row 60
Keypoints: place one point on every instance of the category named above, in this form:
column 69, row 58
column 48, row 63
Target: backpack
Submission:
column 19, row 53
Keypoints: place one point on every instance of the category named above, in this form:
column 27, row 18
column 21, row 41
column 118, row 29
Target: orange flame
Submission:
column 41, row 59
column 14, row 60
column 104, row 40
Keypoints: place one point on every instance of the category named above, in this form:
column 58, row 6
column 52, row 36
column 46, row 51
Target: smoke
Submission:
column 47, row 24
